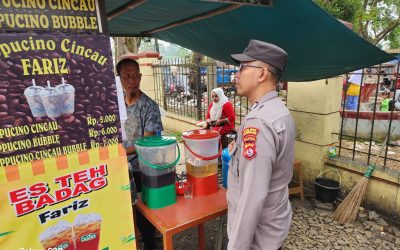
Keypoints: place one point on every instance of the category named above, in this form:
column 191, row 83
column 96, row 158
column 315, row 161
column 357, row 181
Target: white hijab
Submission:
column 216, row 109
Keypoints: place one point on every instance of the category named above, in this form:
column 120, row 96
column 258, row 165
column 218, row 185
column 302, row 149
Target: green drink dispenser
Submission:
column 158, row 157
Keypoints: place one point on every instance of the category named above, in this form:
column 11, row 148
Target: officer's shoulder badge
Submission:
column 249, row 138
column 250, row 131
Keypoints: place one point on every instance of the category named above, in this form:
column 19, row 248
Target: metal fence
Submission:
column 372, row 115
column 184, row 87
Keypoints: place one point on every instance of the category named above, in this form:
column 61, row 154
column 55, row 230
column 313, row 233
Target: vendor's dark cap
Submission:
column 129, row 57
column 264, row 52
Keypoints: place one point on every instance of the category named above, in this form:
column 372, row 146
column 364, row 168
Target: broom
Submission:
column 347, row 211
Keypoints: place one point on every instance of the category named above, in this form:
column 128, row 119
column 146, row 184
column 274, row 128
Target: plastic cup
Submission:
column 59, row 236
column 52, row 99
column 188, row 190
column 87, row 231
column 32, row 95
column 68, row 98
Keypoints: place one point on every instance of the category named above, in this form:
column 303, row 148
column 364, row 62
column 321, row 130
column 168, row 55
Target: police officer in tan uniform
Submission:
column 259, row 211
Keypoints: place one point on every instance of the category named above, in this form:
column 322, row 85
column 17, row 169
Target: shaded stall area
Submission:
column 216, row 29
column 319, row 47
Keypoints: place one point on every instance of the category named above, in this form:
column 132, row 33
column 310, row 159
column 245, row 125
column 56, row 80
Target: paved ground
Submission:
column 313, row 228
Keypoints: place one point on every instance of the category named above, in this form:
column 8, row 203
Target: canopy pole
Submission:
column 194, row 18
column 124, row 8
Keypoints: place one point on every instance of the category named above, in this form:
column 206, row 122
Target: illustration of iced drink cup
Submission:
column 68, row 97
column 52, row 100
column 32, row 95
column 59, row 236
column 87, row 231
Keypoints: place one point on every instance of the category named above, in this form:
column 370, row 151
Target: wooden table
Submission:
column 185, row 214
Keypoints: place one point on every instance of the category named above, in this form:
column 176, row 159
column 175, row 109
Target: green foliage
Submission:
column 173, row 51
column 146, row 43
column 341, row 9
column 127, row 239
column 126, row 187
column 377, row 21
column 394, row 38
column 176, row 134
column 184, row 53
column 5, row 233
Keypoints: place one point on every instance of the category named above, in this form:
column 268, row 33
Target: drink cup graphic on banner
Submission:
column 32, row 95
column 52, row 99
column 68, row 97
column 87, row 231
column 59, row 236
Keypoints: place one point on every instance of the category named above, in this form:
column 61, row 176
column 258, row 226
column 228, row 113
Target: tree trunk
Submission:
column 156, row 45
column 132, row 44
column 119, row 47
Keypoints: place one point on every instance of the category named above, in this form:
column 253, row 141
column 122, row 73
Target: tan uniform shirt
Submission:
column 259, row 211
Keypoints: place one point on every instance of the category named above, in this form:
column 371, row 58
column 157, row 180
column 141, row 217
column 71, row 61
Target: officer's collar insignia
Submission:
column 254, row 105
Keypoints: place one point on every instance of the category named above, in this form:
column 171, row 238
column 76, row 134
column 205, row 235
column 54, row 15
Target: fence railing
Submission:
column 370, row 113
column 184, row 87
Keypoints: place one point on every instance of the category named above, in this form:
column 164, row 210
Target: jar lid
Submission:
column 199, row 134
column 155, row 141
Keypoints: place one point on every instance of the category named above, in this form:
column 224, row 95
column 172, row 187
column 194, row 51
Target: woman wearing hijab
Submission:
column 220, row 114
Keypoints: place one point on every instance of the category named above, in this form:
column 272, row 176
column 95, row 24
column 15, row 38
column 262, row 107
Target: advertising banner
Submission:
column 63, row 172
column 57, row 96
column 77, row 201
column 69, row 16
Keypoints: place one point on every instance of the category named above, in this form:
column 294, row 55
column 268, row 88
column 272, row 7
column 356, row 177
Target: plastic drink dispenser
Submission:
column 201, row 155
column 157, row 160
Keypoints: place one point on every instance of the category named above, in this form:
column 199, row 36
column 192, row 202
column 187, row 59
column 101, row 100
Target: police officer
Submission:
column 259, row 211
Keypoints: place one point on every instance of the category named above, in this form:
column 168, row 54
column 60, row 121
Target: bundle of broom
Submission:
column 347, row 210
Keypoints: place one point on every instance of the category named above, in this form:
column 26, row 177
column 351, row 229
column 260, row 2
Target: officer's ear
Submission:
column 264, row 74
